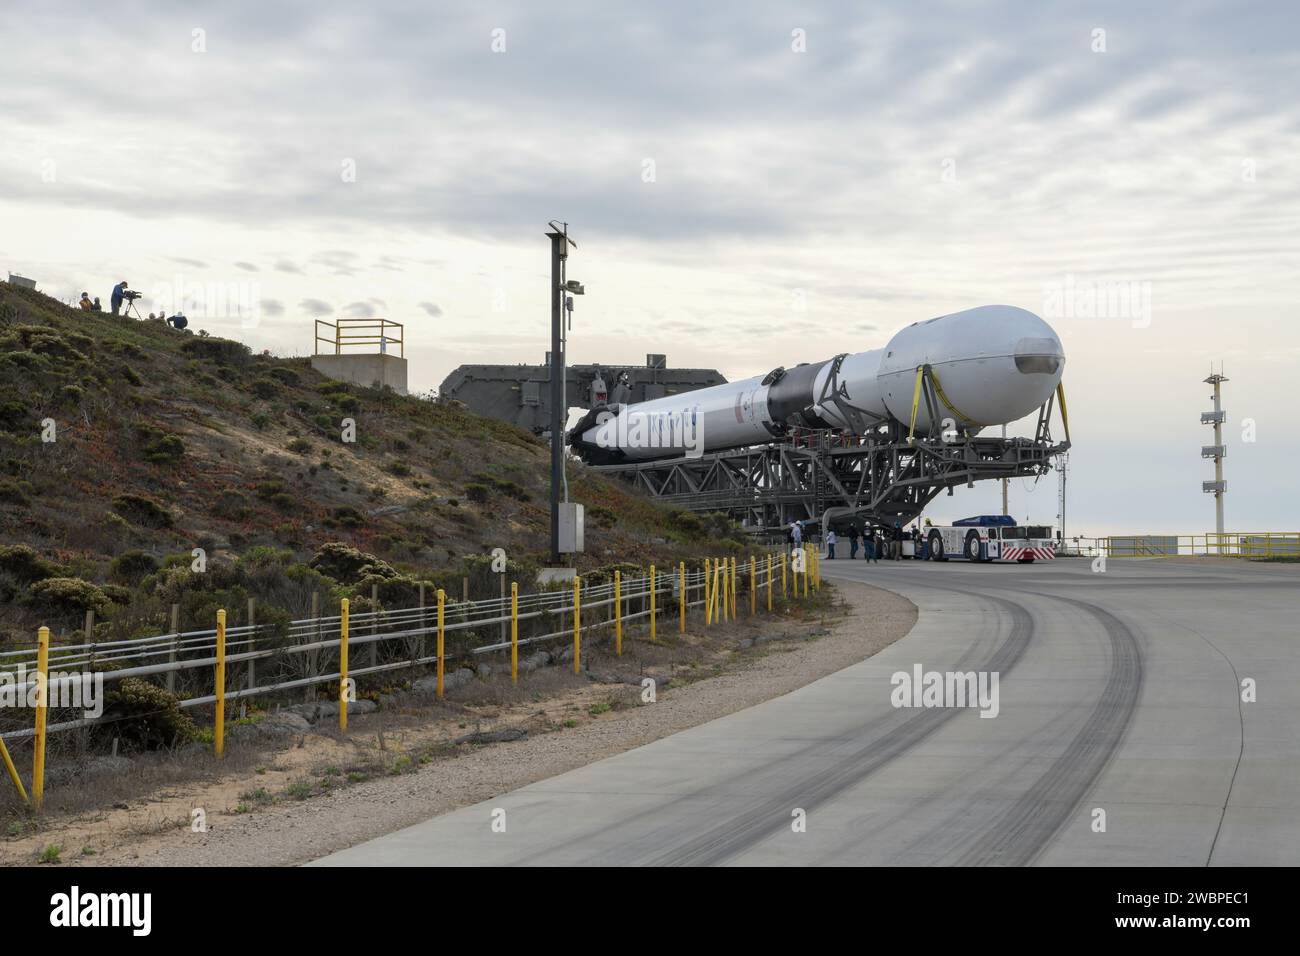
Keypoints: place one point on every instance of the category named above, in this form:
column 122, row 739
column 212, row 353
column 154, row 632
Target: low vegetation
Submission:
column 142, row 467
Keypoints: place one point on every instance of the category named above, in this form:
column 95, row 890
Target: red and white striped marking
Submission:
column 1015, row 553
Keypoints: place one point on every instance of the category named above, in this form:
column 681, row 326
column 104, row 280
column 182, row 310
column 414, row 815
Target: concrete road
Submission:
column 1119, row 700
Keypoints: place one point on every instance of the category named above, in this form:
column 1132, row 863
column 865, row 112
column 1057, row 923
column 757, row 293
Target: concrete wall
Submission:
column 367, row 370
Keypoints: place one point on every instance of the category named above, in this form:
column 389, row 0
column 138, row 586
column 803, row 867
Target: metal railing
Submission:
column 349, row 333
column 1228, row 544
column 412, row 636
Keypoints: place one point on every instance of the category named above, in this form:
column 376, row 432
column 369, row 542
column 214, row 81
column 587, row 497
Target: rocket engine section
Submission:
column 989, row 366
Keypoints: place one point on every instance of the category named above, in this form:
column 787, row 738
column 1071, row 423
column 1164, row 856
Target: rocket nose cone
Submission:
column 1039, row 354
column 1037, row 348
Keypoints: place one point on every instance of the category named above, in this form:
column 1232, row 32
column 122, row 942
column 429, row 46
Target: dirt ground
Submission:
column 290, row 801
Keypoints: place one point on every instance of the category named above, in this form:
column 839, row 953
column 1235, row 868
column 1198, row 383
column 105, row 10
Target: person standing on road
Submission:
column 853, row 541
column 868, row 544
column 830, row 545
column 796, row 533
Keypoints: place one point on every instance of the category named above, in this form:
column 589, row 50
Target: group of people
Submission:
column 877, row 543
column 122, row 293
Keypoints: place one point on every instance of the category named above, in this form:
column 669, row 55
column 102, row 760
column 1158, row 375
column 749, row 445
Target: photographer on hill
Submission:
column 119, row 293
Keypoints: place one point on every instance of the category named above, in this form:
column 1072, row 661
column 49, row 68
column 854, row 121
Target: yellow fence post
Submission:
column 653, row 603
column 13, row 771
column 807, row 561
column 719, row 583
column 577, row 623
column 514, row 632
column 618, row 613
column 42, row 689
column 783, row 585
column 708, row 605
column 753, row 586
column 442, row 610
column 726, row 589
column 720, row 568
column 219, row 732
column 727, row 614
column 734, row 589
column 344, row 616
column 681, row 575
column 769, row 582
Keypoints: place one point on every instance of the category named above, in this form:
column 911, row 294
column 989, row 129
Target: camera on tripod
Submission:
column 132, row 296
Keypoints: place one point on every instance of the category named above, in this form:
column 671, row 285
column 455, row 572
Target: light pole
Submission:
column 560, row 243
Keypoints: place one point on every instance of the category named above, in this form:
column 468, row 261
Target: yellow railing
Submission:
column 1229, row 544
column 720, row 583
column 364, row 333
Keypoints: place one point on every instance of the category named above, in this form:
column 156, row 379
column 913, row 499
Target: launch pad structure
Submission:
column 884, row 476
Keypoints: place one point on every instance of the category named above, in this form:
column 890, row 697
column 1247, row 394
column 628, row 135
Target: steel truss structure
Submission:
column 882, row 477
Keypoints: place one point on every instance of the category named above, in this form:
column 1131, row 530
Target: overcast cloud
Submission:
column 738, row 203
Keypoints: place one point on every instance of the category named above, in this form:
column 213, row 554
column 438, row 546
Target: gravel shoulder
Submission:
column 583, row 728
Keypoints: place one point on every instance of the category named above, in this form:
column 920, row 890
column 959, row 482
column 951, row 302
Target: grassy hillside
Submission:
column 166, row 441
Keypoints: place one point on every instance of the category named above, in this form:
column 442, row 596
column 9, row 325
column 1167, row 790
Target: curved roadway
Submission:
column 1118, row 692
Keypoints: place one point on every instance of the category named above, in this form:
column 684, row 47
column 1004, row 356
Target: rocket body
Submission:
column 993, row 365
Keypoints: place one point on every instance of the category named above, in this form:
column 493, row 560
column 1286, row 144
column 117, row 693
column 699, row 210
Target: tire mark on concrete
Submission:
column 1023, row 830
column 757, row 821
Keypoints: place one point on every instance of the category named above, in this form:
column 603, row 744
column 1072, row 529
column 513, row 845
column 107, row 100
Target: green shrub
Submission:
column 28, row 361
column 132, row 566
column 117, row 594
column 218, row 351
column 131, row 376
column 144, row 716
column 299, row 446
column 399, row 591
column 266, row 388
column 25, row 565
column 142, row 511
column 284, row 502
column 231, row 504
column 14, row 415
column 477, row 493
column 285, row 376
column 509, row 488
column 348, row 517
column 12, row 493
column 166, row 449
column 63, row 598
column 348, row 565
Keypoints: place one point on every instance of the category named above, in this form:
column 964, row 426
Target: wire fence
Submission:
column 222, row 664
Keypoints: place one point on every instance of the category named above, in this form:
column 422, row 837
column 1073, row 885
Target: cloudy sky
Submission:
column 750, row 185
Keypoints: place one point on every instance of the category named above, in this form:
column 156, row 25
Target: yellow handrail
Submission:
column 347, row 333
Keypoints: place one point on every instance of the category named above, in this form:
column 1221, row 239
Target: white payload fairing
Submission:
column 989, row 366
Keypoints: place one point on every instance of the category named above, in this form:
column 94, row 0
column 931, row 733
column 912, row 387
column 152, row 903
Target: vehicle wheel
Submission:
column 936, row 547
column 973, row 546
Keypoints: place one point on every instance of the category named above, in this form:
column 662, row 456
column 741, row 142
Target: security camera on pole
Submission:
column 566, row 518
